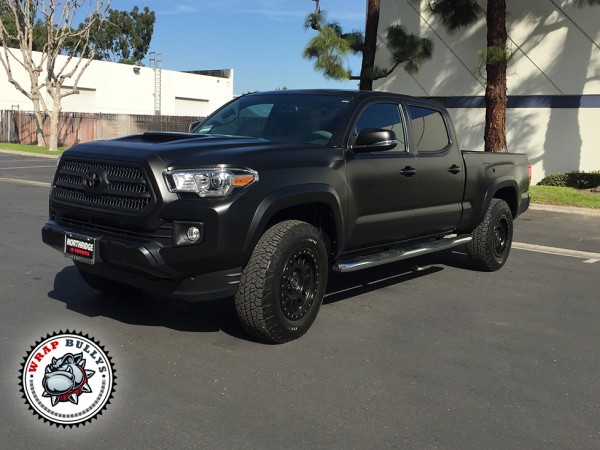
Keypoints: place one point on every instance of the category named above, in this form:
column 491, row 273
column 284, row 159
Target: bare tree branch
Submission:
column 56, row 63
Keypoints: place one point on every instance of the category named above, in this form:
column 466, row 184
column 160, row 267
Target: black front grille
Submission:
column 122, row 187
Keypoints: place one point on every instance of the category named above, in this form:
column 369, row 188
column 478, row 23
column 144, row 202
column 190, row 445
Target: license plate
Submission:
column 80, row 248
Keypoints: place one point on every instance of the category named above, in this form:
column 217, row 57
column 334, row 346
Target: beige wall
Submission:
column 556, row 53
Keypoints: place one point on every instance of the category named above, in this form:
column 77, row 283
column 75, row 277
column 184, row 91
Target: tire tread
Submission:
column 252, row 301
column 479, row 249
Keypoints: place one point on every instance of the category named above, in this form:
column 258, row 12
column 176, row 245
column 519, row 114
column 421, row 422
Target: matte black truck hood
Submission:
column 181, row 149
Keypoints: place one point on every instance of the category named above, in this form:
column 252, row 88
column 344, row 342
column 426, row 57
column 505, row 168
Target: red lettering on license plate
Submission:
column 80, row 248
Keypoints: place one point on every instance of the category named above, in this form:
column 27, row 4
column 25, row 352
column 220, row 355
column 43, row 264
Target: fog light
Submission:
column 193, row 234
column 187, row 233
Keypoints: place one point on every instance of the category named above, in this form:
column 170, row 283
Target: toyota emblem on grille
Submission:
column 94, row 181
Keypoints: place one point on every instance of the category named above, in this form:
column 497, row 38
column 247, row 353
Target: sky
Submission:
column 261, row 40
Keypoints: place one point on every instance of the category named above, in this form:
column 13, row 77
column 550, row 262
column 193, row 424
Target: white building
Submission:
column 113, row 88
column 553, row 111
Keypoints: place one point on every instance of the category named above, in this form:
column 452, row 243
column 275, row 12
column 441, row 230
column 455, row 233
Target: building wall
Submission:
column 553, row 79
column 112, row 88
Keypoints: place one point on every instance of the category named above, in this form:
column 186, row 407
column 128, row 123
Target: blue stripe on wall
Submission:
column 530, row 101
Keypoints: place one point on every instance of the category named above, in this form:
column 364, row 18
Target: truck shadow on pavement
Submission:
column 342, row 286
column 146, row 309
column 149, row 309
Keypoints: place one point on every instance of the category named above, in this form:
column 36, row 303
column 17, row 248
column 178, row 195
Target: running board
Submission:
column 378, row 259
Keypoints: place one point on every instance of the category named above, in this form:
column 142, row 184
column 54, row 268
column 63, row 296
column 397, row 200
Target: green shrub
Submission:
column 582, row 180
column 554, row 179
column 576, row 179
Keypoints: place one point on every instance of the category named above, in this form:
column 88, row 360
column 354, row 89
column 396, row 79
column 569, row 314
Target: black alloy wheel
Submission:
column 299, row 284
column 283, row 284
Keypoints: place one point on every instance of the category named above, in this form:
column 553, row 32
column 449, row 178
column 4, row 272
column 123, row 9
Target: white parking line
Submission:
column 28, row 182
column 26, row 167
column 589, row 257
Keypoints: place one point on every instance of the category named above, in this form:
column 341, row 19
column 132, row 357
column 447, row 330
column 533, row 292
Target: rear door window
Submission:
column 428, row 129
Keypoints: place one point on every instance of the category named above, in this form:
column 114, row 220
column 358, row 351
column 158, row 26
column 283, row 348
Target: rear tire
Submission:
column 492, row 239
column 283, row 284
column 106, row 285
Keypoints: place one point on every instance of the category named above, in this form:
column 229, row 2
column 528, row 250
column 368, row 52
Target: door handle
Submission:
column 408, row 171
column 454, row 169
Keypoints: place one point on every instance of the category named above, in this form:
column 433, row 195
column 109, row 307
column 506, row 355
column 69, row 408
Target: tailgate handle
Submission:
column 454, row 169
column 408, row 171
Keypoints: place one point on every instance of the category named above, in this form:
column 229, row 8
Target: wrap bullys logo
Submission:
column 67, row 378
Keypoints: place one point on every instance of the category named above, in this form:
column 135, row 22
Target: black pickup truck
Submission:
column 272, row 191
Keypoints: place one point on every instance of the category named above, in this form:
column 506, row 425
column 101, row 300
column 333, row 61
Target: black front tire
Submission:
column 282, row 286
column 492, row 239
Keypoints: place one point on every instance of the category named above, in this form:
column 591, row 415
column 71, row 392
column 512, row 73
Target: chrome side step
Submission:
column 378, row 259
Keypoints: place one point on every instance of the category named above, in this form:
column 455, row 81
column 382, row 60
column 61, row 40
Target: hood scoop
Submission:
column 160, row 137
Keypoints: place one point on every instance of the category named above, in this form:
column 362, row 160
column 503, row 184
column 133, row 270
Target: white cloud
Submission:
column 184, row 8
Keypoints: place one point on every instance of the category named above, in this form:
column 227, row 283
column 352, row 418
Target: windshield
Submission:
column 294, row 118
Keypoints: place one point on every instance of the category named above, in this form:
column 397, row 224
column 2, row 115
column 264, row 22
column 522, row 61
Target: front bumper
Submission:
column 142, row 264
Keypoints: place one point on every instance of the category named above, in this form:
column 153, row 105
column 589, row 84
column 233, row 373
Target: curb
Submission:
column 565, row 209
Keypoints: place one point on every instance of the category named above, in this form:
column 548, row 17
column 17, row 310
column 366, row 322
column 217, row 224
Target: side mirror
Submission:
column 375, row 140
column 194, row 124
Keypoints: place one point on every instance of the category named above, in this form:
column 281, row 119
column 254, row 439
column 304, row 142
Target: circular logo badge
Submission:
column 94, row 181
column 67, row 378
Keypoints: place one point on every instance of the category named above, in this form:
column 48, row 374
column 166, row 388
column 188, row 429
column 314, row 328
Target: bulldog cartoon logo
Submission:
column 67, row 379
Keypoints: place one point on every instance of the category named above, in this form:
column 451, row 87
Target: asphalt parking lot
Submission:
column 420, row 354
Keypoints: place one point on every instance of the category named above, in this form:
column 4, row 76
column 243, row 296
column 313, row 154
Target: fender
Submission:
column 301, row 194
column 496, row 185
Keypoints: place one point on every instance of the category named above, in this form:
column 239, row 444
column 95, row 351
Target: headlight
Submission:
column 218, row 182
